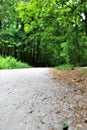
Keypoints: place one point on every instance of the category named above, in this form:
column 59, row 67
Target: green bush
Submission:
column 11, row 63
column 65, row 66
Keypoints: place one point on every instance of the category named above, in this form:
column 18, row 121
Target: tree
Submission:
column 44, row 33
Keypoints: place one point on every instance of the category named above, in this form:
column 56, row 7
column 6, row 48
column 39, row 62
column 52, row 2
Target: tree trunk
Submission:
column 86, row 22
column 78, row 57
column 38, row 53
column 0, row 23
column 15, row 51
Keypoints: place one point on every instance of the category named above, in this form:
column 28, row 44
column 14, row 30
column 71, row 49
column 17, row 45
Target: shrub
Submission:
column 65, row 66
column 11, row 63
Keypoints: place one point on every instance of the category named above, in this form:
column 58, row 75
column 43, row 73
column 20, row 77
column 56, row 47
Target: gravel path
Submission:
column 30, row 99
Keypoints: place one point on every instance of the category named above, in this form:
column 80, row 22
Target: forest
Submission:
column 44, row 33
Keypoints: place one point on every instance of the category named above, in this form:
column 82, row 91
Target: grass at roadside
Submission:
column 11, row 63
column 65, row 67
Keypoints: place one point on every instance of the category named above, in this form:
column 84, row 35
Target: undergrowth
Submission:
column 65, row 67
column 11, row 63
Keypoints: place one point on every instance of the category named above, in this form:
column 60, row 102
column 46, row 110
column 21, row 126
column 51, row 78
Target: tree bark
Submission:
column 38, row 53
column 85, row 22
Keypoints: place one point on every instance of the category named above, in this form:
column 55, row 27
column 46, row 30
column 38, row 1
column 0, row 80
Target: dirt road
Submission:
column 31, row 99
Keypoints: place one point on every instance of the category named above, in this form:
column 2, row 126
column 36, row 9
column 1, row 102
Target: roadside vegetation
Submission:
column 11, row 63
column 65, row 66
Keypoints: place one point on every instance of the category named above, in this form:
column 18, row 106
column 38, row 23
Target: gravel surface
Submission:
column 31, row 99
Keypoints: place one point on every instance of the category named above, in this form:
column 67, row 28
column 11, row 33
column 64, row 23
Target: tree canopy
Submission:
column 44, row 33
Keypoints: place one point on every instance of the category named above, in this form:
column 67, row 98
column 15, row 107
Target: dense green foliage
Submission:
column 44, row 32
column 11, row 63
